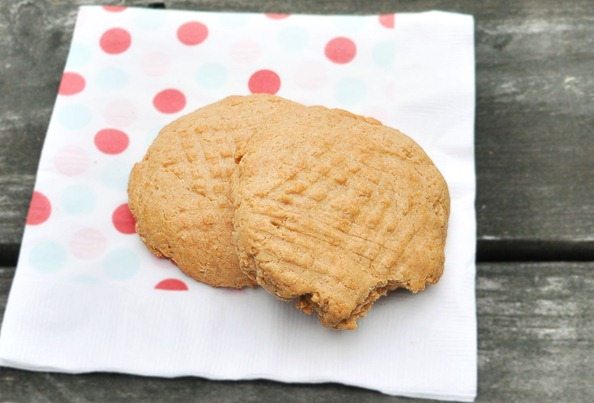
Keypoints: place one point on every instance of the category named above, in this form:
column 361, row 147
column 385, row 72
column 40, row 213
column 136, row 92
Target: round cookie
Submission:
column 335, row 210
column 179, row 193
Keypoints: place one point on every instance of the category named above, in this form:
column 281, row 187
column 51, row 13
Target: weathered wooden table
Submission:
column 535, row 168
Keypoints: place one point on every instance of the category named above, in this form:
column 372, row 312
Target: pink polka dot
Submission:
column 87, row 243
column 72, row 83
column 114, row 9
column 387, row 20
column 115, row 40
column 264, row 82
column 171, row 284
column 39, row 209
column 155, row 64
column 169, row 101
column 123, row 220
column 111, row 141
column 192, row 33
column 276, row 16
column 340, row 50
column 245, row 51
column 311, row 75
column 71, row 161
column 120, row 113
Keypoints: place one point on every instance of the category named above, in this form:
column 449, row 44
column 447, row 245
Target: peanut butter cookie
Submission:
column 334, row 210
column 179, row 193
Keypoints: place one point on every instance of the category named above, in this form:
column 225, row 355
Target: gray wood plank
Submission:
column 536, row 337
column 535, row 110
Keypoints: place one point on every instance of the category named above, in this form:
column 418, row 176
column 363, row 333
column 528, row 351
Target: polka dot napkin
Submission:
column 88, row 296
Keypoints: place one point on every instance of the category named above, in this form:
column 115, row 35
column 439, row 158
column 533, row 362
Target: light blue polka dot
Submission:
column 77, row 199
column 384, row 54
column 149, row 19
column 233, row 19
column 78, row 56
column 120, row 264
column 350, row 91
column 211, row 75
column 292, row 38
column 47, row 257
column 111, row 78
column 350, row 23
column 74, row 116
column 115, row 175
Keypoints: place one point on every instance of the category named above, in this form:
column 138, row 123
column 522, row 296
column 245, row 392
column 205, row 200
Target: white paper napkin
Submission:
column 88, row 296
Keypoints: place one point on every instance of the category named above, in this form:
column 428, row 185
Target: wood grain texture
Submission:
column 536, row 337
column 535, row 110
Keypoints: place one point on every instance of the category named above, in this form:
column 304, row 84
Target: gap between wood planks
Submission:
column 524, row 250
column 488, row 250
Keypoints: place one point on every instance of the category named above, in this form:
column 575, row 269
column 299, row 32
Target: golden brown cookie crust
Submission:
column 334, row 210
column 179, row 193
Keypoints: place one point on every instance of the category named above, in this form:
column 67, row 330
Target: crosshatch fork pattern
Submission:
column 179, row 193
column 336, row 210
